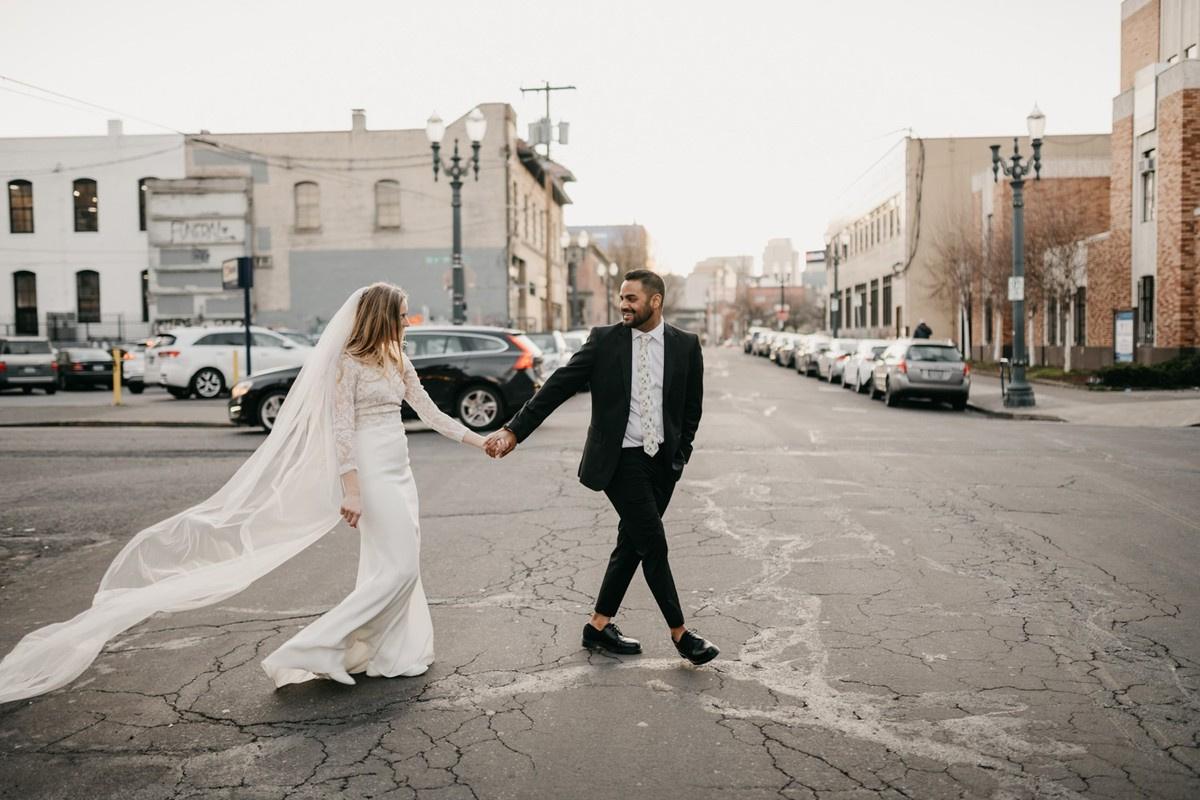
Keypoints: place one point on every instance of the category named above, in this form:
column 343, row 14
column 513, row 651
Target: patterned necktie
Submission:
column 646, row 398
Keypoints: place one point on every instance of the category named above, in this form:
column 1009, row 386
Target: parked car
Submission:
column 751, row 339
column 922, row 368
column 809, row 351
column 831, row 362
column 785, row 354
column 481, row 375
column 28, row 363
column 199, row 361
column 764, row 344
column 856, row 374
column 84, row 366
column 576, row 339
column 555, row 350
column 133, row 363
column 777, row 341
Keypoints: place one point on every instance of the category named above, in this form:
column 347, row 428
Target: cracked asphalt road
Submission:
column 911, row 603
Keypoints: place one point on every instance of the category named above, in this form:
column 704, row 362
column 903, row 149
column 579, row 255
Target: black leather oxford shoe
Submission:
column 610, row 639
column 696, row 649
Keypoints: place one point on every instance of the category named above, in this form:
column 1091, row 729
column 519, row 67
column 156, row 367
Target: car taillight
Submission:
column 127, row 357
column 3, row 366
column 168, row 354
column 525, row 360
column 54, row 365
column 966, row 369
column 843, row 357
column 76, row 366
column 902, row 366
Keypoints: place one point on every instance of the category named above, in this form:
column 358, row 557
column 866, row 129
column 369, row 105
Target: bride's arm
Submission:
column 418, row 399
column 344, row 387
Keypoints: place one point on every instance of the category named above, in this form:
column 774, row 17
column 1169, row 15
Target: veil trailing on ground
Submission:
column 282, row 499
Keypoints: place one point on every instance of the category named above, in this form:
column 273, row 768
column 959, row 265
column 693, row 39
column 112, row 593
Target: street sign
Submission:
column 782, row 309
column 781, row 315
column 1123, row 334
column 237, row 273
column 833, row 304
column 1016, row 288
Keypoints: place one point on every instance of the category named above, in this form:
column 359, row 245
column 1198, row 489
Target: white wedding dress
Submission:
column 383, row 627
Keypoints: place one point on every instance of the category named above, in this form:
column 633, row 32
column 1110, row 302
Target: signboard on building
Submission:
column 1123, row 336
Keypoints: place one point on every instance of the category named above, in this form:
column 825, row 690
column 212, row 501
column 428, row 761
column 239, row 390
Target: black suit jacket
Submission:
column 606, row 361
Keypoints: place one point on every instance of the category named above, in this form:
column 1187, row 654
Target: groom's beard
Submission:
column 638, row 320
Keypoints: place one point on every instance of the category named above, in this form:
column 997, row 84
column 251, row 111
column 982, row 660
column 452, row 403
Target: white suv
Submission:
column 200, row 361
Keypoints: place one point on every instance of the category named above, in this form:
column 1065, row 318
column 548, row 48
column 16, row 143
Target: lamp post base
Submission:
column 1019, row 395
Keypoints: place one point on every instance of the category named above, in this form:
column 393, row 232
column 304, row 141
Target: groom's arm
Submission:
column 693, row 404
column 564, row 384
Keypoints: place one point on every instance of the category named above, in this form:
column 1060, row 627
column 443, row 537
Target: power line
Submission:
column 107, row 109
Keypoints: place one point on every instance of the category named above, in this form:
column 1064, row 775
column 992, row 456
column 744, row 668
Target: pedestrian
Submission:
column 922, row 331
column 337, row 450
column 647, row 385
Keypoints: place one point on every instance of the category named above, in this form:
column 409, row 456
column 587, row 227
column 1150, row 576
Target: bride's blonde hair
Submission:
column 379, row 322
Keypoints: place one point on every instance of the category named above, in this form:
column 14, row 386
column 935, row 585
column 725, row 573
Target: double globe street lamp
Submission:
column 435, row 129
column 1020, row 393
column 576, row 249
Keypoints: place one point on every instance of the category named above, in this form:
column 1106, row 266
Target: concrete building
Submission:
column 1154, row 245
column 780, row 258
column 813, row 277
column 326, row 212
column 883, row 240
column 713, row 286
column 74, row 251
column 629, row 246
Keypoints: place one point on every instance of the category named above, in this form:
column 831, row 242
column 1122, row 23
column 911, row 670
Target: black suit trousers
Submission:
column 640, row 491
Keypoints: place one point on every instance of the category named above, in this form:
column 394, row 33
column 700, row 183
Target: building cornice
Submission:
column 1131, row 7
column 1178, row 77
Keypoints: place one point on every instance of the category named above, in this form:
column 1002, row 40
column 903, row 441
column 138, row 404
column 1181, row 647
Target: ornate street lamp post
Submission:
column 607, row 273
column 1020, row 393
column 837, row 247
column 576, row 250
column 435, row 129
column 781, row 315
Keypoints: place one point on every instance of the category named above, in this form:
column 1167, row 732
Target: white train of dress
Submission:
column 383, row 627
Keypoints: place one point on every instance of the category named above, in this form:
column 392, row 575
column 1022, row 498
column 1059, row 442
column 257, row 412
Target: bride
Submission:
column 338, row 450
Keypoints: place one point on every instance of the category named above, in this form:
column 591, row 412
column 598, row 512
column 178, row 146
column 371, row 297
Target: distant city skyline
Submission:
column 715, row 137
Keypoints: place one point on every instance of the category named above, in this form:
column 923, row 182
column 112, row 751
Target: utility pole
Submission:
column 550, row 239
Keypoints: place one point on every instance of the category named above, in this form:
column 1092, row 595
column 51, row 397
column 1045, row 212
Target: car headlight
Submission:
column 239, row 389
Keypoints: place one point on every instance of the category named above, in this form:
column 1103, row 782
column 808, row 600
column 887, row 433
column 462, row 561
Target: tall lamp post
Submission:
column 456, row 170
column 606, row 273
column 781, row 314
column 837, row 248
column 1020, row 393
column 576, row 249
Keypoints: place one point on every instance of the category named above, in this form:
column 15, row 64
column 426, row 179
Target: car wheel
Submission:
column 889, row 397
column 479, row 408
column 51, row 389
column 179, row 394
column 875, row 393
column 268, row 409
column 959, row 404
column 136, row 389
column 207, row 383
column 26, row 390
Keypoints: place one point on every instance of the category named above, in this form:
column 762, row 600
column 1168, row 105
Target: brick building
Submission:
column 1151, row 252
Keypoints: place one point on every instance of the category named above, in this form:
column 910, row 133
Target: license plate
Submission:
column 30, row 370
column 936, row 374
column 98, row 367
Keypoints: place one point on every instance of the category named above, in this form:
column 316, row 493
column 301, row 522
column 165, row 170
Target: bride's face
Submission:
column 403, row 316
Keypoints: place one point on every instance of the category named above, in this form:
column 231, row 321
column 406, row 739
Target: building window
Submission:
column 874, row 303
column 988, row 322
column 512, row 203
column 25, row 303
column 1148, row 188
column 387, row 204
column 20, row 207
column 87, row 295
column 87, row 206
column 1146, row 309
column 1052, row 321
column 142, row 203
column 1081, row 316
column 308, row 206
column 886, row 301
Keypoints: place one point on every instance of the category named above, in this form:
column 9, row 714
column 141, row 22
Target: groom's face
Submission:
column 637, row 304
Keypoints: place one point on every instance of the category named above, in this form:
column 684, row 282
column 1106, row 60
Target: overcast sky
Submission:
column 717, row 125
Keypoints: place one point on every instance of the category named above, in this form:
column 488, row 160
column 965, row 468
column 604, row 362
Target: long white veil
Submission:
column 282, row 499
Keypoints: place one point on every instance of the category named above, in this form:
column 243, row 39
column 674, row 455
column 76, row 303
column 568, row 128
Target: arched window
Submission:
column 87, row 295
column 20, row 206
column 25, row 302
column 87, row 206
column 308, row 206
column 142, row 202
column 387, row 204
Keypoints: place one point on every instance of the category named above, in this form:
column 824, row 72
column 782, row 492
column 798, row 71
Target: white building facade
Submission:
column 74, row 250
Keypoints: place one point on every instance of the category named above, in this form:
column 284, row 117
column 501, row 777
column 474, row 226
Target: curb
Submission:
column 97, row 423
column 1017, row 415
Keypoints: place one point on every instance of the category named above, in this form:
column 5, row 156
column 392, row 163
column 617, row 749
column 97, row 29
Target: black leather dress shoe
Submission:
column 696, row 649
column 610, row 639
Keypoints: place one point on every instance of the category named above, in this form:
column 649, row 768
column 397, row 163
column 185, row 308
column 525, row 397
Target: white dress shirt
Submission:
column 654, row 340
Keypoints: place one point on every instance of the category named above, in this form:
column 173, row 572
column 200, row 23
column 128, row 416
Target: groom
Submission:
column 647, row 383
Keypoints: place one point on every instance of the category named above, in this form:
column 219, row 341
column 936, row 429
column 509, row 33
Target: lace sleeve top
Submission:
column 366, row 396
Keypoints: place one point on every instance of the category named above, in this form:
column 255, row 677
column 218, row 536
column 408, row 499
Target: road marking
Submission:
column 769, row 411
column 850, row 410
column 814, row 436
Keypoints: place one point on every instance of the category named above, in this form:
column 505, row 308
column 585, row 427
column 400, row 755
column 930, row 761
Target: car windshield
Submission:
column 877, row 350
column 929, row 352
column 162, row 340
column 26, row 348
column 574, row 340
column 89, row 354
column 298, row 338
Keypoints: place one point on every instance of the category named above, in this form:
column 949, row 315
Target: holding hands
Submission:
column 500, row 443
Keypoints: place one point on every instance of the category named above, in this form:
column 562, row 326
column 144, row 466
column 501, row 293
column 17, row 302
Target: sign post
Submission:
column 238, row 273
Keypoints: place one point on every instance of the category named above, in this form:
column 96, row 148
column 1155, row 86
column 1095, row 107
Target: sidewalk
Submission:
column 1152, row 409
column 155, row 408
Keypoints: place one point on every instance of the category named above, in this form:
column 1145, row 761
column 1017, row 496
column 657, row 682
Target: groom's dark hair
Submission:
column 650, row 280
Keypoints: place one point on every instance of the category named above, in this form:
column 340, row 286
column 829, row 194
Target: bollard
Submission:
column 116, row 354
column 235, row 368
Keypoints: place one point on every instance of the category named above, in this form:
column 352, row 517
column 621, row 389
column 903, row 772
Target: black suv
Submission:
column 481, row 375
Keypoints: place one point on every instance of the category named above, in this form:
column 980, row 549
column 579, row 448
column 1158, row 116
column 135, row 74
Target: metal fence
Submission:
column 65, row 327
